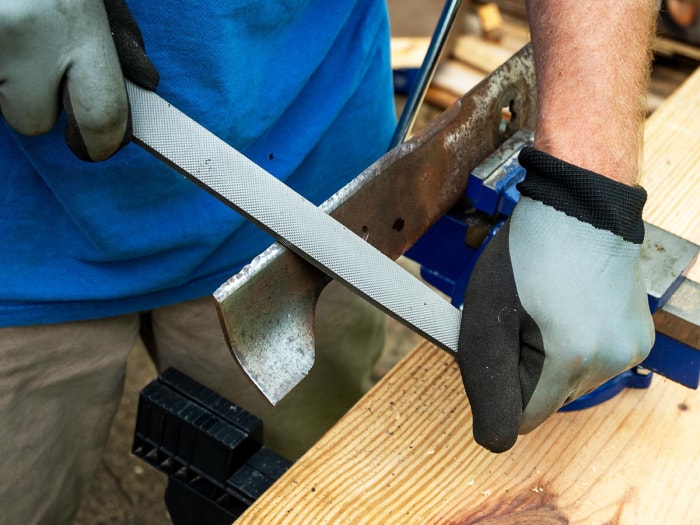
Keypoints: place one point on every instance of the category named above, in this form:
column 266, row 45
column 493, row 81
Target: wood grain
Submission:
column 672, row 164
column 404, row 454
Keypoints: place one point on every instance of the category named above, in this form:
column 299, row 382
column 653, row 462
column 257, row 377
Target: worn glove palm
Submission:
column 556, row 304
column 65, row 50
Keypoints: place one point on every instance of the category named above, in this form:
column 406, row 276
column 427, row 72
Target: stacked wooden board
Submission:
column 470, row 57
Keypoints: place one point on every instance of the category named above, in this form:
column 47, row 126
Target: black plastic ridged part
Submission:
column 209, row 447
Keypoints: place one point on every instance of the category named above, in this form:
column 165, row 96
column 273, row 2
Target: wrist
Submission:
column 587, row 196
column 620, row 161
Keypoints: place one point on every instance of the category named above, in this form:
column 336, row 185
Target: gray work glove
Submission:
column 556, row 304
column 55, row 52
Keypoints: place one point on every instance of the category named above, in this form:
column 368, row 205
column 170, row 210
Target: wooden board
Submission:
column 404, row 453
column 672, row 164
column 452, row 78
column 408, row 52
column 481, row 54
column 670, row 46
column 471, row 59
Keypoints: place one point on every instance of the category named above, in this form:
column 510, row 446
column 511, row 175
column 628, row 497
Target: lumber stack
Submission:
column 471, row 58
column 491, row 39
column 667, row 44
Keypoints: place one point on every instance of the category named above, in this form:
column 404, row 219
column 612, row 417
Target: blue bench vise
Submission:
column 448, row 251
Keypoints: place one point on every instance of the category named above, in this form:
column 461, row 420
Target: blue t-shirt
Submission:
column 302, row 87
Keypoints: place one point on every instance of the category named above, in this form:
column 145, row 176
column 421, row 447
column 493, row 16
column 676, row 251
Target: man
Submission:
column 98, row 253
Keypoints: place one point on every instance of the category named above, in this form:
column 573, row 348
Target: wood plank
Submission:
column 457, row 78
column 671, row 46
column 476, row 52
column 452, row 78
column 479, row 53
column 408, row 52
column 404, row 453
column 490, row 18
column 473, row 58
column 440, row 97
column 672, row 164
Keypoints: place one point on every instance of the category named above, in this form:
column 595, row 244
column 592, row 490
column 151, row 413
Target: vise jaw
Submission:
column 448, row 251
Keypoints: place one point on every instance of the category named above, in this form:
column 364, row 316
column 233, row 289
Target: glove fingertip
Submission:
column 146, row 75
column 495, row 440
column 74, row 138
column 129, row 43
column 137, row 67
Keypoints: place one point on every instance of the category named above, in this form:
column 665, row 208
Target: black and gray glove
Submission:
column 64, row 51
column 556, row 304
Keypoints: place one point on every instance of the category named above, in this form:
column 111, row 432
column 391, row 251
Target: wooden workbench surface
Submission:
column 672, row 164
column 404, row 454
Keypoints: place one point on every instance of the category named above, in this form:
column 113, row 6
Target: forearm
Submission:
column 592, row 63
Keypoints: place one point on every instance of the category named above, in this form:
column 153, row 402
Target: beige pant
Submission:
column 60, row 386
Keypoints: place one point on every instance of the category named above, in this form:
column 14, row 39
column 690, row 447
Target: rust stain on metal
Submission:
column 423, row 178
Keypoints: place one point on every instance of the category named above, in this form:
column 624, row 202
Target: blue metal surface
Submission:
column 404, row 79
column 497, row 195
column 448, row 265
column 674, row 360
column 637, row 377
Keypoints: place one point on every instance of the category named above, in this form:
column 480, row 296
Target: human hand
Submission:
column 54, row 51
column 556, row 304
